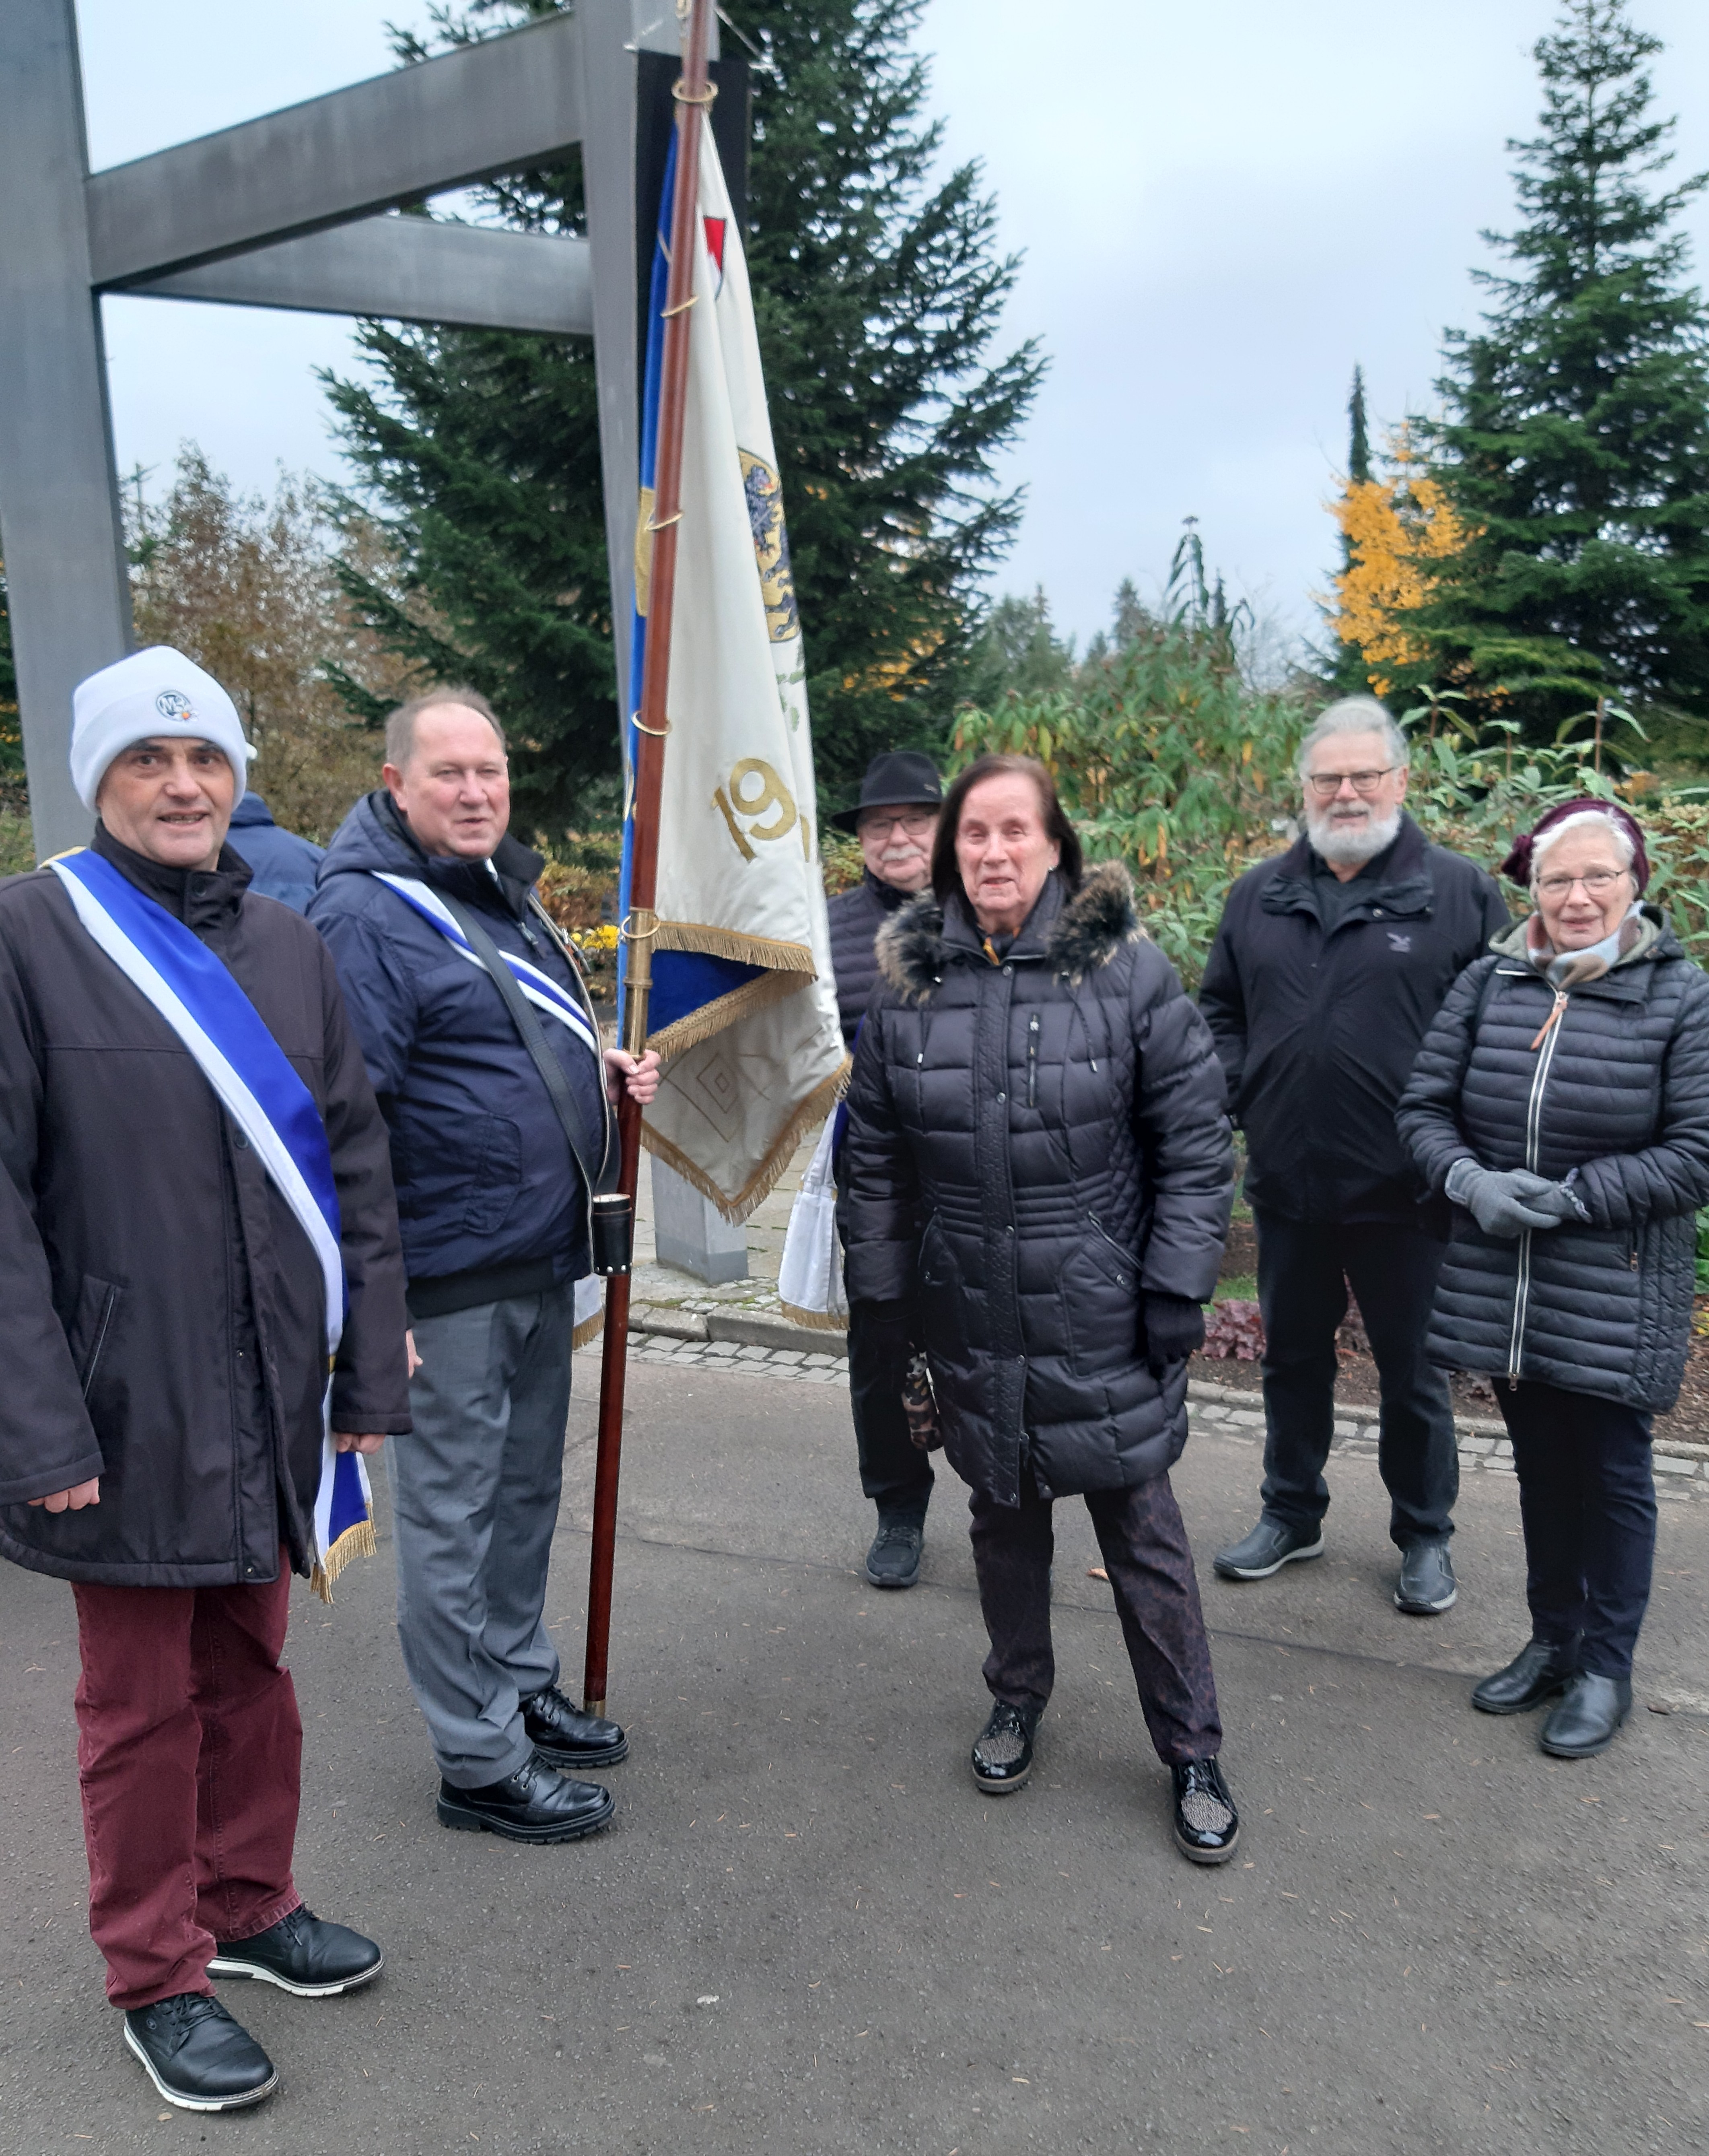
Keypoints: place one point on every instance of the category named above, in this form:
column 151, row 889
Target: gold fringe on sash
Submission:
column 359, row 1541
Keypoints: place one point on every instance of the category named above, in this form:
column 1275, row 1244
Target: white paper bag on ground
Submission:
column 810, row 1278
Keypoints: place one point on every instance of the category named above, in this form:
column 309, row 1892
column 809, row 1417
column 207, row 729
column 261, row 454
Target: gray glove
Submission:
column 1506, row 1202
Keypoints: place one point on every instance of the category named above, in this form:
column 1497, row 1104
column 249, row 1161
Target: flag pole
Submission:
column 693, row 93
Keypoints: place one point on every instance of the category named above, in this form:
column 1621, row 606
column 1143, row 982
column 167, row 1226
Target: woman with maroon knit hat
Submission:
column 1561, row 1102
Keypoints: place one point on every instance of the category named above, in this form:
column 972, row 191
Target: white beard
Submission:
column 1351, row 845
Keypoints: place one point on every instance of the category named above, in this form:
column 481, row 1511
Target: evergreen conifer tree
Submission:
column 878, row 291
column 1358, row 454
column 1576, row 440
column 1349, row 673
column 10, row 733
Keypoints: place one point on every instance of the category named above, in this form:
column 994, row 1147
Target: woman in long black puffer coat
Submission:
column 1561, row 1101
column 1036, row 1189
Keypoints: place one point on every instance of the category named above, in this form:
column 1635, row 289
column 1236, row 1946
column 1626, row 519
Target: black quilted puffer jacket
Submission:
column 1617, row 1089
column 1033, row 1145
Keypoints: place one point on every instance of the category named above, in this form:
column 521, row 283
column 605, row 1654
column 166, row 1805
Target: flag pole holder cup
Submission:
column 614, row 1234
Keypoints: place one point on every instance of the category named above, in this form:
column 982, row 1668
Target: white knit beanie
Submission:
column 157, row 694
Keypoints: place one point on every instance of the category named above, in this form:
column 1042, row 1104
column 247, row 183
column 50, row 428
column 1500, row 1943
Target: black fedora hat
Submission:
column 900, row 778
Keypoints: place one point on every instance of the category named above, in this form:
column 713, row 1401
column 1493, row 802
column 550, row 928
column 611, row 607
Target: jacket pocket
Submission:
column 89, row 1332
column 497, row 1145
column 941, row 1292
column 1099, row 1297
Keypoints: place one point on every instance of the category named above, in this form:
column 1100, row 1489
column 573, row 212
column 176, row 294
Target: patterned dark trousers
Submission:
column 1145, row 1554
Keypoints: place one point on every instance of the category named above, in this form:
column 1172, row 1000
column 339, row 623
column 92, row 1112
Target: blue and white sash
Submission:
column 539, row 988
column 197, row 995
column 544, row 994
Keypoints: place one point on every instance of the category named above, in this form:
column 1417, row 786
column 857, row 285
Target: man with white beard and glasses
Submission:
column 1328, row 967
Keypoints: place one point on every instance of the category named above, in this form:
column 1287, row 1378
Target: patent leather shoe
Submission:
column 1427, row 1585
column 564, row 1735
column 536, row 1803
column 1002, row 1752
column 303, row 1956
column 1272, row 1544
column 1591, row 1713
column 1207, row 1826
column 197, row 2056
column 1540, row 1669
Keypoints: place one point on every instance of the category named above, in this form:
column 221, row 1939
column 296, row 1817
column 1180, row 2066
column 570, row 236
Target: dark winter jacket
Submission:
column 489, row 1194
column 1033, row 1147
column 162, row 1319
column 856, row 917
column 1617, row 1090
column 283, row 866
column 1317, row 1030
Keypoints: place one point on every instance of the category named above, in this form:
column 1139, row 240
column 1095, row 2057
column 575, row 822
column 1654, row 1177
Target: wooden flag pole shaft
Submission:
column 693, row 94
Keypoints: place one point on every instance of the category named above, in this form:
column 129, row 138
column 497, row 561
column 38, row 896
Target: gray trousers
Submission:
column 475, row 1489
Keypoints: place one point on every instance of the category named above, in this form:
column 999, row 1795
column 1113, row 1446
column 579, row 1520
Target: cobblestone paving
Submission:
column 1231, row 1413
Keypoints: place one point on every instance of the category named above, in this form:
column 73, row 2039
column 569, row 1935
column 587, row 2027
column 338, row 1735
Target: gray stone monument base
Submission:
column 689, row 1232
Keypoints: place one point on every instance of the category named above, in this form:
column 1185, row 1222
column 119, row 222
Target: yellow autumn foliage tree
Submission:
column 1396, row 528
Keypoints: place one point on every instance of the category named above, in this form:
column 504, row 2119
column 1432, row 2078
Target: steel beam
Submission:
column 494, row 107
column 68, row 587
column 407, row 269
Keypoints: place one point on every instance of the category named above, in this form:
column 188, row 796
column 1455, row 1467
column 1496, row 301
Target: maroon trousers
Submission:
column 189, row 1750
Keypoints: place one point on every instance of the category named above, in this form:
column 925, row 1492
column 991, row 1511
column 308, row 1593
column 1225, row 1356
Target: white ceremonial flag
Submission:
column 743, row 1006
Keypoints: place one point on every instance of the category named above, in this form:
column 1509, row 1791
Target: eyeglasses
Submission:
column 915, row 822
column 1597, row 885
column 1327, row 784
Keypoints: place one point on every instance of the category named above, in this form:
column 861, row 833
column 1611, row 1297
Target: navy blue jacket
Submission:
column 282, row 866
column 488, row 1195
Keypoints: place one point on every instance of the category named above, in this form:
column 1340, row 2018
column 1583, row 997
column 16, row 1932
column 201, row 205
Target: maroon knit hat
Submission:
column 1518, row 865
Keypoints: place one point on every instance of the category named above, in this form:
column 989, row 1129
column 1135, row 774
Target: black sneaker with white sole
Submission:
column 1272, row 1544
column 303, row 1956
column 1427, row 1585
column 197, row 2056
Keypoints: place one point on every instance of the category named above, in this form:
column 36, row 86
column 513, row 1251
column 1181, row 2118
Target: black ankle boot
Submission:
column 1589, row 1718
column 1540, row 1669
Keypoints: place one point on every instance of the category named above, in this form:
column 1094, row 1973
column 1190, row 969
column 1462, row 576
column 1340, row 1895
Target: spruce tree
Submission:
column 11, row 730
column 1359, row 452
column 878, row 290
column 1576, row 439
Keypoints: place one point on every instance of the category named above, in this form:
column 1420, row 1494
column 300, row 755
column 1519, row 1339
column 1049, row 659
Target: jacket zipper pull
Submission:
column 1542, row 1031
column 1033, row 1061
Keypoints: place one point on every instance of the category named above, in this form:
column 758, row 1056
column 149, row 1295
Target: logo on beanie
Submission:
column 172, row 704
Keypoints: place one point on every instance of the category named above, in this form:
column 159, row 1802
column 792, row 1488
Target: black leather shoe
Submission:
column 197, row 2056
column 1427, row 1585
column 565, row 1737
column 1207, row 1826
column 536, row 1803
column 303, row 1956
column 1271, row 1545
column 1540, row 1669
column 1003, row 1755
column 894, row 1559
column 1589, row 1718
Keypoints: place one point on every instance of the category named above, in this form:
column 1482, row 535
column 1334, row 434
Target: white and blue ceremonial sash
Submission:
column 545, row 995
column 539, row 988
column 198, row 996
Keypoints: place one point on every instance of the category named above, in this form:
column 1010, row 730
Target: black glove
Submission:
column 1174, row 1327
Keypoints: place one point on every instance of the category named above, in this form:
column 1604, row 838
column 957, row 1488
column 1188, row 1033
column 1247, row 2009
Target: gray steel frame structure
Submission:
column 289, row 210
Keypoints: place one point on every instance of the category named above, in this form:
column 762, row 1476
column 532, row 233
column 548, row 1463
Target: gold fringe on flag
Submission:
column 699, row 1025
column 590, row 1328
column 759, row 1186
column 716, row 942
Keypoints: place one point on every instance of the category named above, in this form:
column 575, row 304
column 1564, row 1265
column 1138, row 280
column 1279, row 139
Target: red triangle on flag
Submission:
column 714, row 240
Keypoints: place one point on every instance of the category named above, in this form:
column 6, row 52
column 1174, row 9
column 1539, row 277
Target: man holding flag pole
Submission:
column 196, row 1223
column 726, row 954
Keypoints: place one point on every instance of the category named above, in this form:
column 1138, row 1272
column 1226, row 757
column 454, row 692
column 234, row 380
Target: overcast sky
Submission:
column 1221, row 208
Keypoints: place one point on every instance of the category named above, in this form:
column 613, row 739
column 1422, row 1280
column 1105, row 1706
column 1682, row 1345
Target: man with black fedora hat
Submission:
column 895, row 820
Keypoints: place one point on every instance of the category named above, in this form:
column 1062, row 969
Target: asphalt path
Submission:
column 807, row 1932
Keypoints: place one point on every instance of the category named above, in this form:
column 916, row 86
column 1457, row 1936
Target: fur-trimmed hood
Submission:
column 1072, row 935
